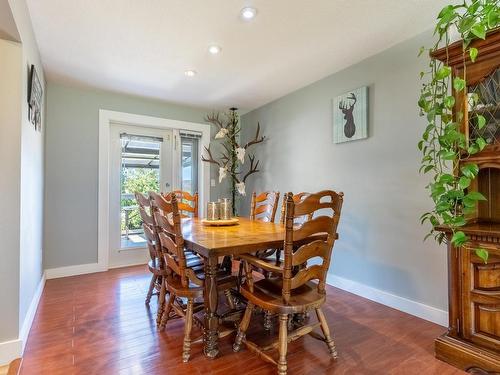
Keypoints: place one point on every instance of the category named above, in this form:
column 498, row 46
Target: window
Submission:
column 140, row 171
column 189, row 162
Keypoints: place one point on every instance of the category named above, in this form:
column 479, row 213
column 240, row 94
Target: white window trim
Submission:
column 106, row 118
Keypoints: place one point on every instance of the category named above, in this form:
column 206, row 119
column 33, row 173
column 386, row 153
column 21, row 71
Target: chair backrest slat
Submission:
column 322, row 231
column 299, row 197
column 263, row 206
column 187, row 203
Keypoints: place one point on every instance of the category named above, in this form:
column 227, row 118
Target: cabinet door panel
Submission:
column 481, row 296
column 488, row 319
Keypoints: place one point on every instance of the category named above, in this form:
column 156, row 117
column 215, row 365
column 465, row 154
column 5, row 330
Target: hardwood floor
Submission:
column 98, row 324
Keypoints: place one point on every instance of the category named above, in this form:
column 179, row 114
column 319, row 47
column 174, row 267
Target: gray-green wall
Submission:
column 71, row 166
column 380, row 236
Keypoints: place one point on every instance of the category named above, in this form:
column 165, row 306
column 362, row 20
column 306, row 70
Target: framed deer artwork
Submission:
column 350, row 115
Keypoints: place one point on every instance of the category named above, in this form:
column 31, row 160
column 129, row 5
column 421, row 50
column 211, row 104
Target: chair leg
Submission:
column 243, row 327
column 161, row 301
column 239, row 278
column 186, row 349
column 166, row 311
column 151, row 289
column 283, row 341
column 230, row 300
column 326, row 332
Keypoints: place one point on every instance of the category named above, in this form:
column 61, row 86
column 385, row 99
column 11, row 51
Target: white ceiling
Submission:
column 144, row 47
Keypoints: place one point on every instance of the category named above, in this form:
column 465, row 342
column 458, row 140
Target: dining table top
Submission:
column 246, row 236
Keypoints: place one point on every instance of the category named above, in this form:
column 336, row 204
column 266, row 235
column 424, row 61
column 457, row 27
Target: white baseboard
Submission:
column 127, row 264
column 10, row 350
column 30, row 315
column 408, row 306
column 81, row 269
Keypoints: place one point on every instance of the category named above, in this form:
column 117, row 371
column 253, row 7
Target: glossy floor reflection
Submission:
column 98, row 324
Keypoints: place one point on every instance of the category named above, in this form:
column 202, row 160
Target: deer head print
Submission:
column 347, row 108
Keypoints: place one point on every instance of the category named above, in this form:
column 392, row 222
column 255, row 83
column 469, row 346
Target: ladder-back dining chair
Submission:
column 263, row 207
column 155, row 262
column 295, row 292
column 183, row 281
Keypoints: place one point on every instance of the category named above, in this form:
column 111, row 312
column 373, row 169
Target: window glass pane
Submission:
column 189, row 164
column 140, row 162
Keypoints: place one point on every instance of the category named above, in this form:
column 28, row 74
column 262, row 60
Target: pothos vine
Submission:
column 443, row 144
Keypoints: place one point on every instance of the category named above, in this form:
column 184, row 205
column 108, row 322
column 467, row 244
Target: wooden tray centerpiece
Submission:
column 220, row 222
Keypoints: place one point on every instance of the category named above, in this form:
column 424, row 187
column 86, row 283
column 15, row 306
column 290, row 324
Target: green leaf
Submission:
column 464, row 182
column 420, row 51
column 476, row 196
column 481, row 143
column 455, row 194
column 459, row 221
column 458, row 84
column 473, row 54
column 474, row 97
column 459, row 238
column 443, row 72
column 473, row 7
column 446, row 178
column 481, row 121
column 449, row 101
column 465, row 24
column 470, row 170
column 483, row 254
column 428, row 168
column 449, row 155
column 493, row 18
column 479, row 30
column 446, row 15
column 473, row 149
column 443, row 206
column 469, row 210
column 445, row 11
column 469, row 203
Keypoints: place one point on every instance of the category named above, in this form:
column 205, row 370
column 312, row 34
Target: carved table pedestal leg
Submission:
column 210, row 335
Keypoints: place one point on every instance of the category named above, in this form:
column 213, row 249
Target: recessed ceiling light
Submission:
column 214, row 50
column 190, row 73
column 248, row 13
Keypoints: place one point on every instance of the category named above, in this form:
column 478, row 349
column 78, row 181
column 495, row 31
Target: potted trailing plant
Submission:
column 444, row 145
column 231, row 162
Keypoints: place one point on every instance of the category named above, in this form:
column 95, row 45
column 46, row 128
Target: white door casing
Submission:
column 106, row 118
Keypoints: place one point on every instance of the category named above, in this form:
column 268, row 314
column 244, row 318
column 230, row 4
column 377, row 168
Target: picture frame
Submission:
column 35, row 95
column 350, row 115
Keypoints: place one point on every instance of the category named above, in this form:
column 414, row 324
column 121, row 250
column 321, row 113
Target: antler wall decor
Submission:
column 231, row 161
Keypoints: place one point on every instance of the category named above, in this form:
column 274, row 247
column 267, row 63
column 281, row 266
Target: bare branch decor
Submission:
column 231, row 161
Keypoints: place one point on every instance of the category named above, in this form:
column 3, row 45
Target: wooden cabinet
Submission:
column 472, row 342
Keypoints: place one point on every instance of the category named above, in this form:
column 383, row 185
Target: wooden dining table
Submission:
column 213, row 242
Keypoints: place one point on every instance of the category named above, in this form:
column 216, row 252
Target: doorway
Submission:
column 138, row 152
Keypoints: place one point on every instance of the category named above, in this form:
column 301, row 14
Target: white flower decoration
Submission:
column 221, row 133
column 222, row 173
column 240, row 186
column 240, row 154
